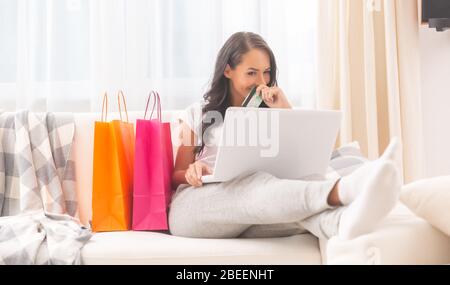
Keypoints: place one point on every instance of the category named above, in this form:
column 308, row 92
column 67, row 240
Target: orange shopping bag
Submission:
column 112, row 183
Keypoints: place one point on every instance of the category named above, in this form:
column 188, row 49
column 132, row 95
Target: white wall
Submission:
column 435, row 77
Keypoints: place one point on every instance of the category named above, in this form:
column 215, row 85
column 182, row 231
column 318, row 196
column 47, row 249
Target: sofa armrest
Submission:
column 402, row 238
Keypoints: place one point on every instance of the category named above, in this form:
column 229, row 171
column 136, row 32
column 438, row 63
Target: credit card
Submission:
column 253, row 100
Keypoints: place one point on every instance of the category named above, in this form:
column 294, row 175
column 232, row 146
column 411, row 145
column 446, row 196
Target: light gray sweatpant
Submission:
column 257, row 205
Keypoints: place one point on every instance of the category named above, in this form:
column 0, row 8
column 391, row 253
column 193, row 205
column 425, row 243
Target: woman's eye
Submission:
column 254, row 73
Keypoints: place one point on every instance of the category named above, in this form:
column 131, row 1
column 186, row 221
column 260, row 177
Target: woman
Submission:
column 261, row 205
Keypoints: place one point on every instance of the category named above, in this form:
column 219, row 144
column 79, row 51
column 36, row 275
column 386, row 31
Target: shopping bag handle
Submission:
column 156, row 101
column 105, row 104
column 120, row 95
column 148, row 101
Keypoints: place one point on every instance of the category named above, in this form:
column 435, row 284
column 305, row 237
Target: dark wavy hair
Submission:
column 218, row 97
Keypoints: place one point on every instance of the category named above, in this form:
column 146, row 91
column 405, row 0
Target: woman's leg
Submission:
column 226, row 210
column 273, row 230
column 378, row 197
column 369, row 194
column 324, row 225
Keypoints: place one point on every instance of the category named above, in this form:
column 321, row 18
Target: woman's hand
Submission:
column 273, row 97
column 194, row 173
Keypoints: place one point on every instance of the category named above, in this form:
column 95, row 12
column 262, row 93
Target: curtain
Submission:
column 61, row 55
column 368, row 67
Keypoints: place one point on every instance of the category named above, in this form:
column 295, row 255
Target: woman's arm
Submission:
column 187, row 170
column 185, row 155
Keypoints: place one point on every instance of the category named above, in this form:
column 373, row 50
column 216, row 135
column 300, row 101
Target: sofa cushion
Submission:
column 430, row 199
column 132, row 247
column 401, row 238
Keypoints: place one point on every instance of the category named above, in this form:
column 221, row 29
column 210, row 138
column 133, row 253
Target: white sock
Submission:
column 392, row 151
column 376, row 200
column 350, row 186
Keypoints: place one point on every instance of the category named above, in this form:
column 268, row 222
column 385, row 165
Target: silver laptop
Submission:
column 287, row 143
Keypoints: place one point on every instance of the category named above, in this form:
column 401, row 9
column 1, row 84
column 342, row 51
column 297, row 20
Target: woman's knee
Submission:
column 182, row 227
column 184, row 221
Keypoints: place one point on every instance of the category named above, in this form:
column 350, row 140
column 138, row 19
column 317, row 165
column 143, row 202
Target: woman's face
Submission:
column 253, row 70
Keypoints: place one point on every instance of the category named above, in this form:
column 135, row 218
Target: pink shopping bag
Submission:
column 153, row 166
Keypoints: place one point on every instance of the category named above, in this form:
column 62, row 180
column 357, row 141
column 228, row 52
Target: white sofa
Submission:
column 402, row 238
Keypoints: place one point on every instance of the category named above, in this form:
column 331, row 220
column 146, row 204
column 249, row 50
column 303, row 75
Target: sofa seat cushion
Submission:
column 132, row 247
column 401, row 238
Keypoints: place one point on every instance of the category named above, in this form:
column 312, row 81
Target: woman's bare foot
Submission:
column 333, row 197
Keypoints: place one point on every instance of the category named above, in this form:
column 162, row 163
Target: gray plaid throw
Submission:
column 39, row 219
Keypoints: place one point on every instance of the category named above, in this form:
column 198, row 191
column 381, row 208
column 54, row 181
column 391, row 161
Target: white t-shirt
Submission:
column 192, row 116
